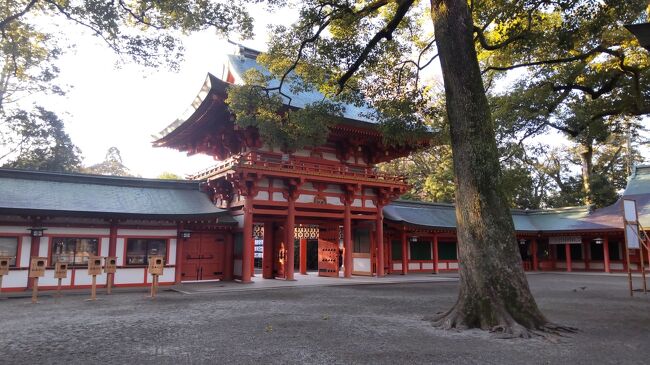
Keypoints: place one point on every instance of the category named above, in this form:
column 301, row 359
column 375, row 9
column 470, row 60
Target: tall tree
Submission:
column 112, row 165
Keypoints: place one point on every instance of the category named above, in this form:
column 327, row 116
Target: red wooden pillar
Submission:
column 347, row 240
column 606, row 253
column 290, row 232
column 380, row 242
column 405, row 252
column 269, row 254
column 229, row 258
column 567, row 253
column 435, row 254
column 533, row 250
column 247, row 249
column 303, row 256
column 33, row 252
column 179, row 251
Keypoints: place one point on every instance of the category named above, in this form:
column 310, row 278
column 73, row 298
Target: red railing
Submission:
column 253, row 160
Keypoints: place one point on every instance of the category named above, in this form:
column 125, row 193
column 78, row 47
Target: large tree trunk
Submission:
column 586, row 160
column 494, row 293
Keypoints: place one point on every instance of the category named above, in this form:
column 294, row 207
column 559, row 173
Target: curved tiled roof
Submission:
column 33, row 192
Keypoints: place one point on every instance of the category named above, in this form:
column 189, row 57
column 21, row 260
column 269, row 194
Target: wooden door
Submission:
column 192, row 258
column 212, row 251
column 328, row 258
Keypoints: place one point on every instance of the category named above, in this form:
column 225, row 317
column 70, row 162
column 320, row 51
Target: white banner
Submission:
column 629, row 210
column 632, row 235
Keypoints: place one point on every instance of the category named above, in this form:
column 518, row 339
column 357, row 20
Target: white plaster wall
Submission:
column 333, row 200
column 173, row 243
column 561, row 265
column 308, row 186
column 81, row 277
column 330, row 156
column 414, row 266
column 397, row 266
column 616, row 266
column 78, row 231
column 370, row 204
column 262, row 195
column 24, row 251
column 239, row 219
column 278, row 197
column 332, row 188
column 49, row 280
column 15, row 279
column 305, row 198
column 361, row 264
column 356, row 203
column 427, row 265
column 104, row 247
column 129, row 276
column 147, row 232
column 577, row 265
column 42, row 246
column 119, row 251
column 13, row 229
column 168, row 276
column 453, row 265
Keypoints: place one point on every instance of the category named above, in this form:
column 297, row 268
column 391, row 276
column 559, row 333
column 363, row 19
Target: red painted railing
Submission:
column 253, row 160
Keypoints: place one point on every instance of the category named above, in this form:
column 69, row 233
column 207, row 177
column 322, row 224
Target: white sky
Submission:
column 123, row 107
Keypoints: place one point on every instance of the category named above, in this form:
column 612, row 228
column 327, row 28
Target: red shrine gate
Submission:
column 203, row 257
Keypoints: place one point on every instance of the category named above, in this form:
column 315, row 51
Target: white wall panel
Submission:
column 414, row 266
column 172, row 251
column 370, row 203
column 105, row 243
column 81, row 277
column 333, row 200
column 13, row 229
column 278, row 197
column 262, row 195
column 15, row 279
column 452, row 265
column 147, row 232
column 616, row 266
column 427, row 265
column 42, row 248
column 25, row 250
column 596, row 265
column 49, row 280
column 129, row 276
column 361, row 264
column 305, row 198
column 119, row 251
column 397, row 266
column 78, row 231
column 168, row 276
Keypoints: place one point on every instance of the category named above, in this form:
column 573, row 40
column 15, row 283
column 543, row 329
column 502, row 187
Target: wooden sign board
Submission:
column 110, row 264
column 4, row 264
column 631, row 220
column 61, row 270
column 37, row 267
column 95, row 265
column 328, row 259
column 156, row 264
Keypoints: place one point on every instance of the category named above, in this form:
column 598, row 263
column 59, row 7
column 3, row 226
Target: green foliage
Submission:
column 166, row 175
column 112, row 165
column 256, row 105
column 39, row 143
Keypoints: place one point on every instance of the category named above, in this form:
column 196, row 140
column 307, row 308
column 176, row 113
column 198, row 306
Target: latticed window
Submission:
column 74, row 251
column 139, row 249
column 9, row 248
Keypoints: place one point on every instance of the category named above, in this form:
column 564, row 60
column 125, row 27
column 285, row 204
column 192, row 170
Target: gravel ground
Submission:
column 371, row 324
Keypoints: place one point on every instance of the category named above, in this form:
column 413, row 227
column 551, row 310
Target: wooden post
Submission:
column 379, row 237
column 435, row 254
column 247, row 249
column 154, row 285
column 33, row 252
column 93, row 289
column 109, row 283
column 35, row 291
column 347, row 240
column 405, row 260
column 645, row 285
column 567, row 253
column 629, row 270
column 290, row 232
column 606, row 253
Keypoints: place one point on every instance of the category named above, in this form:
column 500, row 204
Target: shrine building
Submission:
column 270, row 214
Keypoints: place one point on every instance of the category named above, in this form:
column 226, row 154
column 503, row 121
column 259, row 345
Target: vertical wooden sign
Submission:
column 110, row 266
column 36, row 270
column 94, row 269
column 60, row 273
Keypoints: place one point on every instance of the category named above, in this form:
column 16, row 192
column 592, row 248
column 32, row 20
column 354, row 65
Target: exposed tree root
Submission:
column 507, row 327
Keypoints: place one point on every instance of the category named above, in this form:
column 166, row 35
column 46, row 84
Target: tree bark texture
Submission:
column 586, row 160
column 494, row 293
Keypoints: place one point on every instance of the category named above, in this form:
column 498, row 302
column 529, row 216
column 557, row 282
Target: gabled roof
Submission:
column 35, row 192
column 570, row 219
